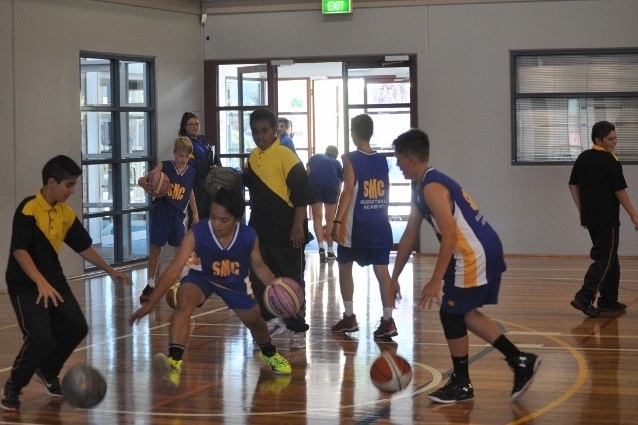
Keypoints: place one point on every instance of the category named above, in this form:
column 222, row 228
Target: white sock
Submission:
column 349, row 306
column 322, row 246
column 387, row 313
column 151, row 282
column 330, row 249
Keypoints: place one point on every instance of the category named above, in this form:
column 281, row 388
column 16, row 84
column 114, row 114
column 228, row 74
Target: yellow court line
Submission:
column 583, row 370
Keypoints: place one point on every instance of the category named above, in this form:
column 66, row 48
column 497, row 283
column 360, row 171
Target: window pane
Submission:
column 133, row 195
column 253, row 91
column 96, row 135
column 577, row 73
column 557, row 130
column 136, row 231
column 235, row 136
column 388, row 124
column 133, row 89
column 135, row 134
column 95, row 82
column 98, row 190
column 293, row 95
column 379, row 86
column 101, row 230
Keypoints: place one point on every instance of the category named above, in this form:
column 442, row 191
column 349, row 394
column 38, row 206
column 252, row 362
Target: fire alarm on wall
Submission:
column 204, row 18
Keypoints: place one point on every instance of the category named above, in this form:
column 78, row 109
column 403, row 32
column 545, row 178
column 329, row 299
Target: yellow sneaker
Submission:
column 277, row 363
column 169, row 369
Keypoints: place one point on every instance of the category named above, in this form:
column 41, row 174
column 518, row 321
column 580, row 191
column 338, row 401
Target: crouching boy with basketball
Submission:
column 468, row 268
column 227, row 249
column 49, row 316
column 169, row 211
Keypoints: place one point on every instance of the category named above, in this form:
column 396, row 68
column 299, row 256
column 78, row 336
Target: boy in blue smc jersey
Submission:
column 468, row 268
column 228, row 249
column 169, row 211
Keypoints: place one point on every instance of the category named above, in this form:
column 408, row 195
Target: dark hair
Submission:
column 414, row 142
column 363, row 126
column 601, row 129
column 232, row 201
column 264, row 114
column 60, row 168
column 182, row 125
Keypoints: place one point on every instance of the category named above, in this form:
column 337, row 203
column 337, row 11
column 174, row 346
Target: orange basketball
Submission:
column 390, row 372
column 159, row 183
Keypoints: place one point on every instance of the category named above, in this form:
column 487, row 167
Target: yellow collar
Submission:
column 600, row 148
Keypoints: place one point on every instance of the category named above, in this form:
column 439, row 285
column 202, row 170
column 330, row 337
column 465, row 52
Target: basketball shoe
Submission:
column 331, row 256
column 169, row 369
column 346, row 324
column 146, row 294
column 277, row 363
column 456, row 389
column 297, row 340
column 386, row 329
column 525, row 366
column 322, row 256
column 10, row 397
column 276, row 326
column 51, row 386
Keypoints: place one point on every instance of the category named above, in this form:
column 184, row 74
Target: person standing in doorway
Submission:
column 284, row 132
column 326, row 174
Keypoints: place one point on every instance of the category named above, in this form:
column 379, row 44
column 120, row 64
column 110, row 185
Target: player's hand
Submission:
column 335, row 234
column 139, row 313
column 297, row 237
column 145, row 184
column 47, row 292
column 118, row 276
column 396, row 290
column 431, row 292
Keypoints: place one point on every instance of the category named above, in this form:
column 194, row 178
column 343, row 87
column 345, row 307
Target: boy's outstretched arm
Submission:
column 92, row 256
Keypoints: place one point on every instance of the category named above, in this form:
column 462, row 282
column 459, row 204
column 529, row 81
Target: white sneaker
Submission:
column 276, row 326
column 297, row 340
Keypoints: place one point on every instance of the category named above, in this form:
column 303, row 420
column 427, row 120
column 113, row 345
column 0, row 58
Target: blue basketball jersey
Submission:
column 226, row 266
column 179, row 191
column 366, row 224
column 478, row 255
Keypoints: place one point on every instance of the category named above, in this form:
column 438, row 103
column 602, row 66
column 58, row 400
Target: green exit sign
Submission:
column 336, row 6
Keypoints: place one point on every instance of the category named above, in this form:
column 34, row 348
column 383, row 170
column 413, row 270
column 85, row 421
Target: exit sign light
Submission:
column 331, row 7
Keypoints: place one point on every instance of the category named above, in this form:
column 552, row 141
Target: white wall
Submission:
column 463, row 93
column 40, row 44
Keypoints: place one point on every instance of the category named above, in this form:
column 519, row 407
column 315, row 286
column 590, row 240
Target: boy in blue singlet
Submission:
column 227, row 250
column 169, row 211
column 361, row 227
column 468, row 268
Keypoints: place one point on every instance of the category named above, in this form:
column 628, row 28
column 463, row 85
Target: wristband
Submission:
column 336, row 222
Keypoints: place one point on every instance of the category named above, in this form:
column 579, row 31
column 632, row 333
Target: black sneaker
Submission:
column 331, row 256
column 10, row 397
column 51, row 386
column 525, row 366
column 456, row 389
column 146, row 294
column 322, row 255
column 605, row 307
column 587, row 308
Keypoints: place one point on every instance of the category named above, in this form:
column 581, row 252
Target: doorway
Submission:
column 318, row 96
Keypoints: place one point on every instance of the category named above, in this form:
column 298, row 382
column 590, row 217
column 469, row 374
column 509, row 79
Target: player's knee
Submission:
column 453, row 325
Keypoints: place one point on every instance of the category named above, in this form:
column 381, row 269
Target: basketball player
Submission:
column 468, row 267
column 168, row 213
column 49, row 316
column 361, row 226
column 227, row 249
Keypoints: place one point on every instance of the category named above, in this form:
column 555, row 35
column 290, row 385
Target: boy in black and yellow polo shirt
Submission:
column 49, row 316
column 279, row 195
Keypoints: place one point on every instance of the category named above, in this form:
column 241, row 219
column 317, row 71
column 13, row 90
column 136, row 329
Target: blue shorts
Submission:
column 325, row 194
column 363, row 256
column 463, row 300
column 238, row 296
column 167, row 225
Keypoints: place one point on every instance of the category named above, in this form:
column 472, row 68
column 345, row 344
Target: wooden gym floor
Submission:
column 589, row 373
